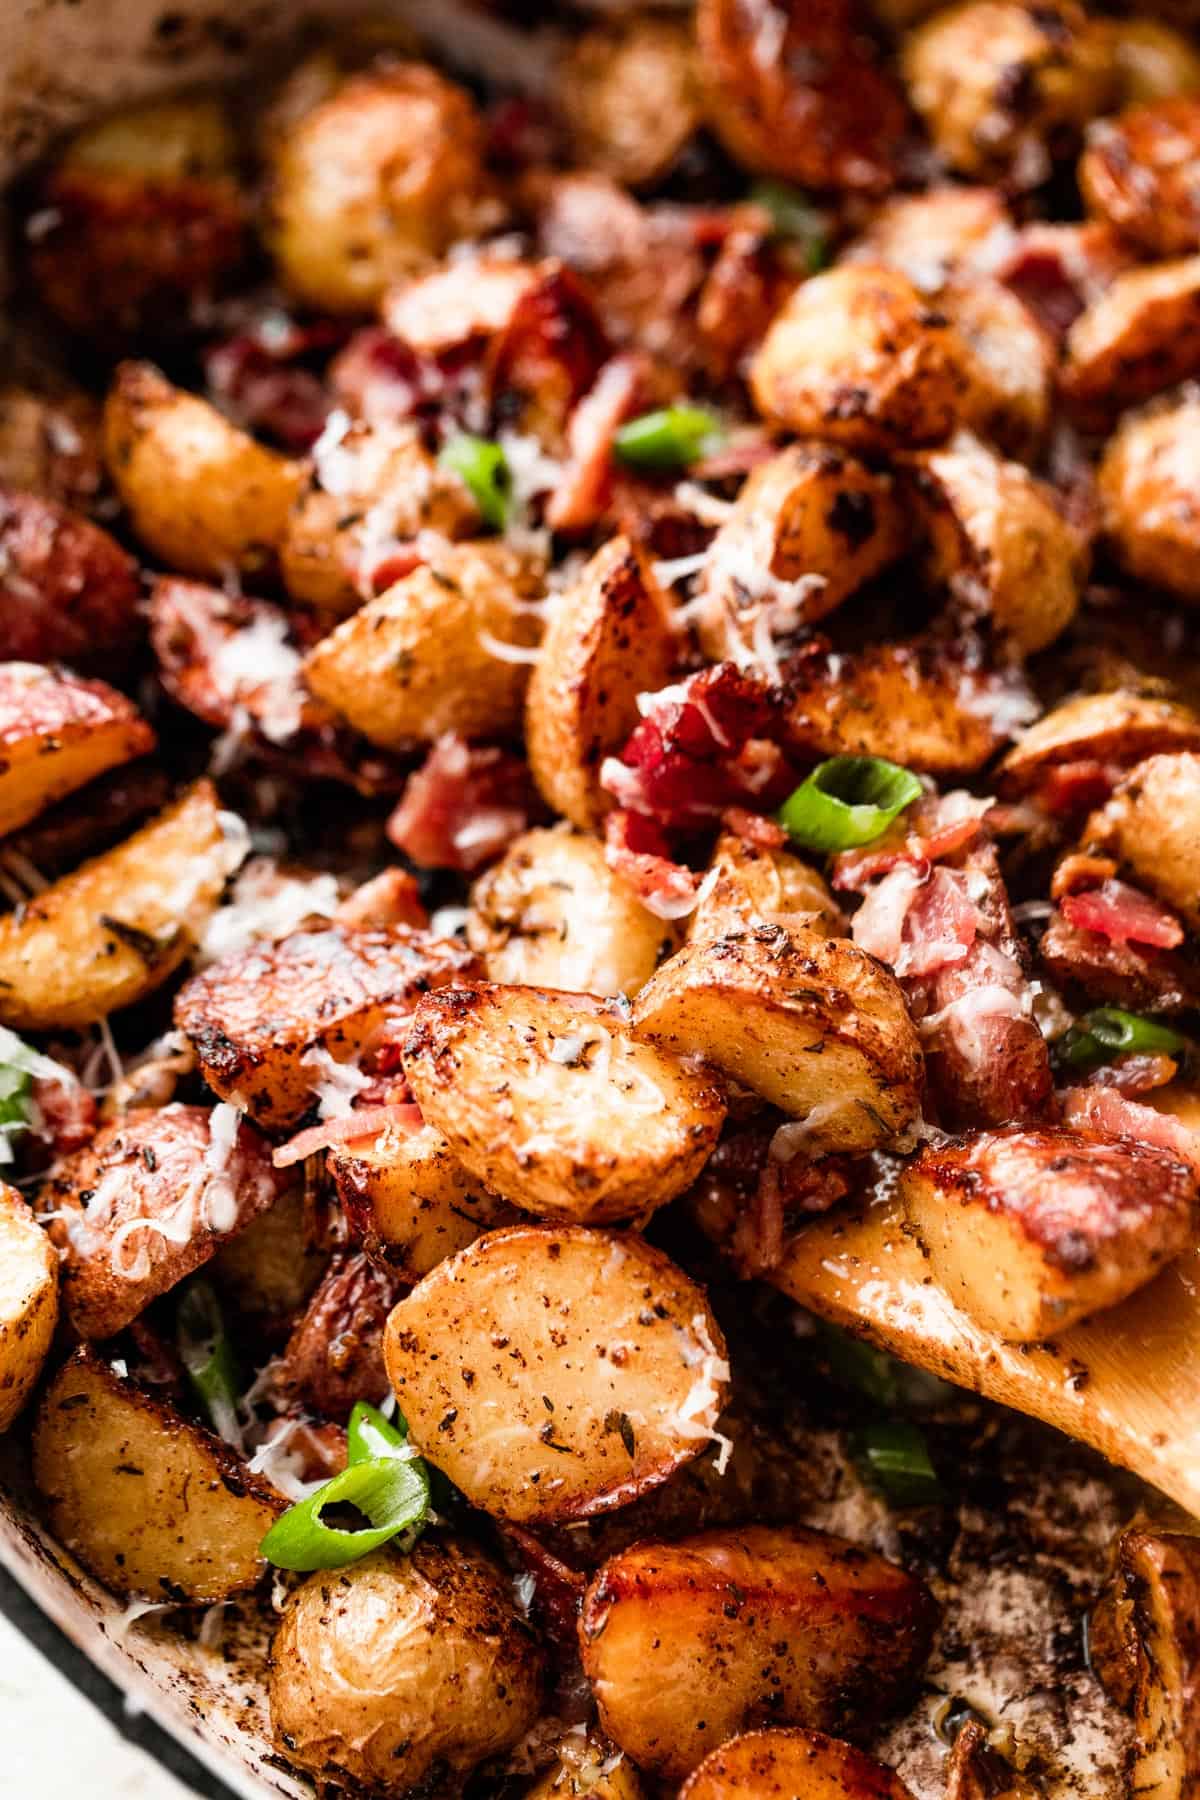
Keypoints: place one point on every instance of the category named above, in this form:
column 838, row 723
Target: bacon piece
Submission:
column 1136, row 1073
column 937, row 826
column 585, row 487
column 787, row 1184
column 1104, row 1109
column 636, row 850
column 1128, row 974
column 1059, row 270
column 754, row 828
column 363, row 1122
column 1123, row 914
column 66, row 1113
column 254, row 380
column 463, row 806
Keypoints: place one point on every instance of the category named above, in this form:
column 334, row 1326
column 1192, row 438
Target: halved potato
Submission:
column 28, row 1302
column 814, row 1025
column 1140, row 337
column 1151, row 497
column 1152, row 826
column 747, row 885
column 630, row 94
column 67, row 589
column 411, row 1198
column 554, row 1372
column 115, row 929
column 149, row 1502
column 58, row 732
column 551, row 913
column 691, row 1642
column 932, row 235
column 446, row 648
column 334, row 1356
column 607, row 640
column 202, row 495
column 1010, row 361
column 1032, row 1229
column 1138, row 173
column 269, row 1270
column 267, row 1020
column 549, row 1100
column 1115, row 729
column 791, row 1765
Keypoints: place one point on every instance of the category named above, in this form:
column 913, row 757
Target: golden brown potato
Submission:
column 411, row 1198
column 811, row 511
column 58, row 732
column 931, row 236
column 201, row 494
column 148, row 1502
column 607, row 640
column 1138, row 173
column 1153, row 61
column 269, row 1270
column 141, row 216
column 268, row 1021
column 551, row 913
column 752, row 886
column 587, row 1764
column 1010, row 361
column 793, row 89
column 813, row 1024
column 446, row 648
column 859, row 356
column 1114, row 729
column 998, row 544
column 1003, row 85
column 1150, row 493
column 374, row 182
column 1031, row 1229
column 1141, row 336
column 115, row 929
column 149, row 1200
column 630, row 95
column 50, row 442
column 67, row 589
column 372, row 490
column 28, row 1302
column 791, row 1765
column 399, row 1665
column 555, row 1372
column 687, row 1644
column 1152, row 826
column 548, row 1100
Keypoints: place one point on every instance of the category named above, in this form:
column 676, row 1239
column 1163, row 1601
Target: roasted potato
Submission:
column 465, row 300
column 1114, row 730
column 977, row 1771
column 1141, row 336
column 334, row 1357
column 998, row 544
column 58, row 732
column 1151, row 496
column 411, row 1198
column 929, row 237
column 751, row 886
column 551, row 913
column 446, row 648
column 607, row 640
column 812, row 1024
column 149, row 1502
column 201, row 494
column 630, row 96
column 69, row 591
column 144, row 216
column 1003, row 85
column 549, row 1101
column 1010, row 362
column 149, row 1200
column 50, row 442
column 1152, row 61
column 115, row 929
column 587, row 1764
column 374, row 182
column 28, row 1302
column 568, row 1407
column 269, row 1270
column 399, row 1665
column 811, row 511
column 687, row 1644
column 793, row 89
column 1033, row 1229
column 1138, row 174
column 858, row 355
column 782, row 1765
column 266, row 1021
column 1152, row 826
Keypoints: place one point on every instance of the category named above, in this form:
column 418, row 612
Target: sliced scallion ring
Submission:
column 1107, row 1032
column 369, row 1434
column 669, row 439
column 384, row 1479
column 848, row 801
column 483, row 466
column 896, row 1457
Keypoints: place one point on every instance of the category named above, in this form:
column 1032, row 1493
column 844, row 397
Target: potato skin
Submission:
column 1138, row 174
column 1152, row 826
column 334, row 1357
column 549, row 1102
column 256, row 1014
column 201, row 494
column 781, row 1765
column 695, row 1641
column 114, row 930
column 760, row 1001
column 630, row 95
column 400, row 1667
column 607, row 641
column 58, row 732
column 497, row 1391
column 1114, row 727
column 858, row 356
column 1141, row 336
column 1153, row 61
column 754, row 886
column 28, row 1302
column 149, row 1502
column 69, row 591
column 1010, row 363
column 411, row 1200
column 1149, row 495
column 933, row 235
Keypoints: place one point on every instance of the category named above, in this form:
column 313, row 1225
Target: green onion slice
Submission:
column 384, row 1479
column 848, row 801
column 1106, row 1033
column 207, row 1356
column 896, row 1458
column 794, row 216
column 669, row 439
column 483, row 466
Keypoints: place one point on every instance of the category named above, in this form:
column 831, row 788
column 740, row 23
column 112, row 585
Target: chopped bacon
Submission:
column 1072, row 788
column 379, row 378
column 746, row 450
column 364, row 1122
column 1130, row 975
column 935, row 828
column 1059, row 269
column 557, row 1588
column 463, row 806
column 636, row 850
column 66, row 1113
column 1123, row 914
column 785, row 1185
column 255, row 383
column 1104, row 1109
column 585, row 486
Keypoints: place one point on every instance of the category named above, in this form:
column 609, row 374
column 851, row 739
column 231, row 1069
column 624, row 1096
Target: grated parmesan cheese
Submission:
column 704, row 1397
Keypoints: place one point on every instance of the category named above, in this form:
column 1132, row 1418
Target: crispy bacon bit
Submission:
column 379, row 378
column 364, row 1122
column 463, row 806
column 1104, row 1109
column 1068, row 790
column 585, row 487
column 557, row 1589
column 1123, row 914
column 1058, row 270
column 785, row 1185
column 1130, row 975
column 636, row 850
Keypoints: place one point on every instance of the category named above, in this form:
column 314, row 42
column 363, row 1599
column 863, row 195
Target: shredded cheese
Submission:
column 703, row 1399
